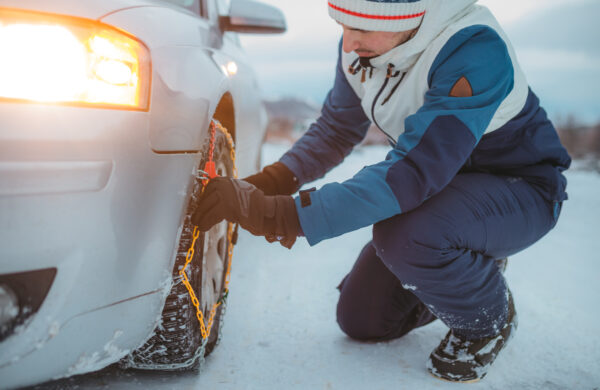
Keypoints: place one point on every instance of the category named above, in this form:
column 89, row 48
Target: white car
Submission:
column 106, row 109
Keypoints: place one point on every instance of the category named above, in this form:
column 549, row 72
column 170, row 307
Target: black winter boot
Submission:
column 459, row 360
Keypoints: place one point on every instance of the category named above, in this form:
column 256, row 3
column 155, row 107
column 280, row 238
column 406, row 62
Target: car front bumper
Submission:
column 82, row 191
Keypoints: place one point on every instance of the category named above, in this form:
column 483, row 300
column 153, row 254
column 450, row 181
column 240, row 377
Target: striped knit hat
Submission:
column 378, row 15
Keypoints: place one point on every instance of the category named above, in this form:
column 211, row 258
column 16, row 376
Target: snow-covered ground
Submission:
column 280, row 330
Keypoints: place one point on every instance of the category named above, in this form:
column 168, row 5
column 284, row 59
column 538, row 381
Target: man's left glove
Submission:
column 237, row 201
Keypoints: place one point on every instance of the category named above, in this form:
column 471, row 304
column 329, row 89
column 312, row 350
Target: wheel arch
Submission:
column 225, row 113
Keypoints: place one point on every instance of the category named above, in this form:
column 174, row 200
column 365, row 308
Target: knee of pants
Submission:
column 409, row 241
column 356, row 322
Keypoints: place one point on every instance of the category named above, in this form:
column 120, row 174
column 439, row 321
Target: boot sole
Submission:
column 453, row 381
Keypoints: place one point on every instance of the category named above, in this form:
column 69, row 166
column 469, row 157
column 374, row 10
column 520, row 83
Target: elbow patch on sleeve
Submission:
column 462, row 88
column 430, row 165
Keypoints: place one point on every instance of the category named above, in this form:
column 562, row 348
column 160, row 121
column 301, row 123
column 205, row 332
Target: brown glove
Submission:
column 275, row 179
column 237, row 201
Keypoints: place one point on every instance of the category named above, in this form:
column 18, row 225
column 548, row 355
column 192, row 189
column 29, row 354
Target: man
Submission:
column 474, row 175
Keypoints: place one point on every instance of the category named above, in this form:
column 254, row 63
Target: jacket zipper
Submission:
column 394, row 89
column 387, row 79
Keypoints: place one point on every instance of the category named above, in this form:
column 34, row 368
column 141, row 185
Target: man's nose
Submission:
column 349, row 42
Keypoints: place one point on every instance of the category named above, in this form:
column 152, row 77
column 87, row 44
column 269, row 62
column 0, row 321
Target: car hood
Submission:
column 89, row 9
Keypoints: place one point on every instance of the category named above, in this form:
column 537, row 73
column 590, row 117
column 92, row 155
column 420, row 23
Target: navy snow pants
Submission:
column 440, row 258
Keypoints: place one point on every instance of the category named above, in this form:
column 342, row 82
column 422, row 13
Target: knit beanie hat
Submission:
column 378, row 15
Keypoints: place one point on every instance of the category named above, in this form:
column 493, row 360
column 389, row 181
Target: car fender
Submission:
column 187, row 80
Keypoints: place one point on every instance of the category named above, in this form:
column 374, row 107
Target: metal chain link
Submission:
column 205, row 329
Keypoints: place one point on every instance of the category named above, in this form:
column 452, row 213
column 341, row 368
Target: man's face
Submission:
column 372, row 43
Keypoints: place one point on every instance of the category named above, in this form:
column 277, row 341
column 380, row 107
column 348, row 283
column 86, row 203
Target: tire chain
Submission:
column 181, row 281
column 206, row 327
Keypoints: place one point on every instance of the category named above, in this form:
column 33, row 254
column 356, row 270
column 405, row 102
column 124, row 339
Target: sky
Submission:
column 557, row 44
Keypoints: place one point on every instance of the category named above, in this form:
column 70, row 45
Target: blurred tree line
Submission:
column 582, row 141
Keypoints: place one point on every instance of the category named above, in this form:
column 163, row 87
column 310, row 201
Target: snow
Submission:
column 280, row 330
column 98, row 359
column 8, row 306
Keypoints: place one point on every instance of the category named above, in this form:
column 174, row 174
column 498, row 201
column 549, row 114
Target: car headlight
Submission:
column 56, row 59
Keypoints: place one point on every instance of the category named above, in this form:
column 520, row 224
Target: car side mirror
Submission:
column 249, row 16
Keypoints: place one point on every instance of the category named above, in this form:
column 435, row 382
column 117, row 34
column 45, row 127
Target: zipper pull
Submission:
column 364, row 75
column 390, row 71
column 353, row 69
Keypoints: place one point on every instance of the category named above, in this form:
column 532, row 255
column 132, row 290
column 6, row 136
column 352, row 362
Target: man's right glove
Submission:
column 237, row 201
column 275, row 179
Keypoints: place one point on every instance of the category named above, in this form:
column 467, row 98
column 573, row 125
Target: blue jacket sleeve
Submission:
column 437, row 141
column 341, row 126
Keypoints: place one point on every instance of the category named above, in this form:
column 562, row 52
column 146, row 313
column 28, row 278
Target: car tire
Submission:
column 177, row 342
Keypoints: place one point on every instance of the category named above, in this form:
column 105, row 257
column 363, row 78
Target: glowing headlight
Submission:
column 47, row 58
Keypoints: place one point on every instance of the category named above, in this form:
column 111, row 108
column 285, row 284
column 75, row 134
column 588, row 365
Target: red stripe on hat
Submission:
column 381, row 17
